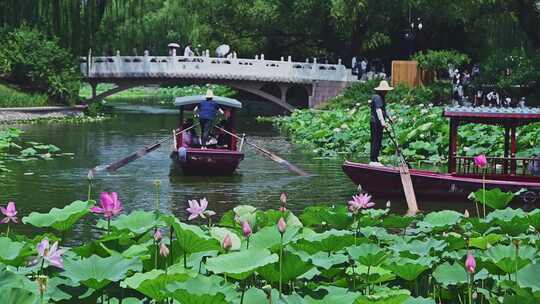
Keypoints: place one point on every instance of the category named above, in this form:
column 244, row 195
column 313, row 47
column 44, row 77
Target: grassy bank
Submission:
column 12, row 97
column 155, row 94
column 342, row 130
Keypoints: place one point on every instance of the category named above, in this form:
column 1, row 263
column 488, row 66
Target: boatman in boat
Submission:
column 379, row 121
column 207, row 111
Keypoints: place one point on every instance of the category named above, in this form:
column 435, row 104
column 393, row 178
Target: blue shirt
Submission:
column 207, row 110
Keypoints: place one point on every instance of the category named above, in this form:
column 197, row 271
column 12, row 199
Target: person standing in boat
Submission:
column 207, row 111
column 379, row 121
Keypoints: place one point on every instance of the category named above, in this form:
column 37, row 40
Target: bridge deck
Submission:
column 234, row 69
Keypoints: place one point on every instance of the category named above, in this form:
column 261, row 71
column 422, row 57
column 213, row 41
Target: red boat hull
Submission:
column 429, row 184
column 208, row 162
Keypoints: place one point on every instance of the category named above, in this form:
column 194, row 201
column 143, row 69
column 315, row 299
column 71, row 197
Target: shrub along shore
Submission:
column 341, row 128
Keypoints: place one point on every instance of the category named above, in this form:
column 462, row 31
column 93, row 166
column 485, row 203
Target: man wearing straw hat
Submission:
column 379, row 121
column 207, row 111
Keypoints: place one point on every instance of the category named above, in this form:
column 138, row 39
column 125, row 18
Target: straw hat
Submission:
column 383, row 86
column 209, row 94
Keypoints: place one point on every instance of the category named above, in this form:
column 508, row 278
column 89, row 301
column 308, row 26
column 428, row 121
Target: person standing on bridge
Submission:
column 379, row 121
column 187, row 51
column 207, row 111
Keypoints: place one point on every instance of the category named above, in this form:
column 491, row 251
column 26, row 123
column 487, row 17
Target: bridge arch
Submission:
column 255, row 89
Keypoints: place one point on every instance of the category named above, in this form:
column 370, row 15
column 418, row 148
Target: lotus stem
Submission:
column 247, row 242
column 368, row 284
column 470, row 288
column 7, row 231
column 280, row 264
column 157, row 251
column 109, row 225
column 89, row 197
column 484, row 191
column 171, row 259
column 157, row 183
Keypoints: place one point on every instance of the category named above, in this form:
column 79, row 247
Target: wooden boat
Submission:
column 214, row 160
column 509, row 173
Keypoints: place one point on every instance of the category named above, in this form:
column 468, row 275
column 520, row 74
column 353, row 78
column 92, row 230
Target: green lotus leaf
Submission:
column 441, row 219
column 59, row 219
column 130, row 300
column 323, row 260
column 328, row 241
column 527, row 277
column 219, row 234
column 372, row 275
column 505, row 215
column 378, row 233
column 10, row 279
column 479, row 225
column 397, row 221
column 368, row 254
column 17, row 295
column 450, row 274
column 506, row 258
column 9, row 250
column 270, row 218
column 153, row 283
column 254, row 295
column 385, row 296
column 203, row 290
column 292, row 267
column 333, row 295
column 246, row 213
column 482, row 242
column 193, row 239
column 96, row 272
column 240, row 265
column 419, row 300
column 455, row 241
column 137, row 222
column 337, row 218
column 408, row 269
column 270, row 238
column 534, row 219
column 419, row 248
column 494, row 198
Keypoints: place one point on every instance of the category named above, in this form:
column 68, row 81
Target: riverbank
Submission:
column 21, row 114
column 342, row 130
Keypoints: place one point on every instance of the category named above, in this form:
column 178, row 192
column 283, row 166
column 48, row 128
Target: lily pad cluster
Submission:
column 326, row 254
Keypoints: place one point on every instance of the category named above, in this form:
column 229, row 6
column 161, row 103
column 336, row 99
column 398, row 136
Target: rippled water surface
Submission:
column 42, row 185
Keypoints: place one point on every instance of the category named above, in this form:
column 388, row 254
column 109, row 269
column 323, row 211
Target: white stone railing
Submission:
column 284, row 71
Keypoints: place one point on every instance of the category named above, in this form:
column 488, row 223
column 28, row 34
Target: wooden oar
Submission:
column 406, row 180
column 139, row 153
column 270, row 155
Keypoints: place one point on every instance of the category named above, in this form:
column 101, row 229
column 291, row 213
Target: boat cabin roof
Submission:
column 192, row 101
column 493, row 115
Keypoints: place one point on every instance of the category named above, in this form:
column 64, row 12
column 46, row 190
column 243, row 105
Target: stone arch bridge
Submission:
column 319, row 81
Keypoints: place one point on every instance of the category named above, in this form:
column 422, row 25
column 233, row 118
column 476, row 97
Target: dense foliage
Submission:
column 333, row 28
column 324, row 255
column 343, row 129
column 438, row 61
column 33, row 62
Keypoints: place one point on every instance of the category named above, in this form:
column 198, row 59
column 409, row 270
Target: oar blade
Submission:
column 132, row 157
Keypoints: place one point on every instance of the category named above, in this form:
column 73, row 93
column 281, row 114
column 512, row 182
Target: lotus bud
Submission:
column 157, row 235
column 388, row 204
column 157, row 183
column 227, row 243
column 282, row 209
column 480, row 161
column 90, row 175
column 246, row 229
column 359, row 188
column 283, row 198
column 163, row 250
column 516, row 243
column 282, row 226
column 466, row 213
column 470, row 263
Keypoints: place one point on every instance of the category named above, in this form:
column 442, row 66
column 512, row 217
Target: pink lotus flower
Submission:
column 110, row 205
column 246, row 229
column 157, row 235
column 480, row 161
column 10, row 212
column 163, row 250
column 52, row 254
column 361, row 201
column 470, row 263
column 197, row 209
column 227, row 242
column 282, row 225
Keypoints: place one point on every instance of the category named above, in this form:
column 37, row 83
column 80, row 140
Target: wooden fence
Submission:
column 408, row 72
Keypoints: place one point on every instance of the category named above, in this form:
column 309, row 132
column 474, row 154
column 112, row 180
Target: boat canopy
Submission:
column 192, row 101
column 508, row 117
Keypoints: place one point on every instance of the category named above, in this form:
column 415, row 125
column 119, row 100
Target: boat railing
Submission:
column 495, row 165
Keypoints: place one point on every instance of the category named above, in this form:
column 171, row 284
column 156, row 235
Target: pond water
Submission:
column 42, row 185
